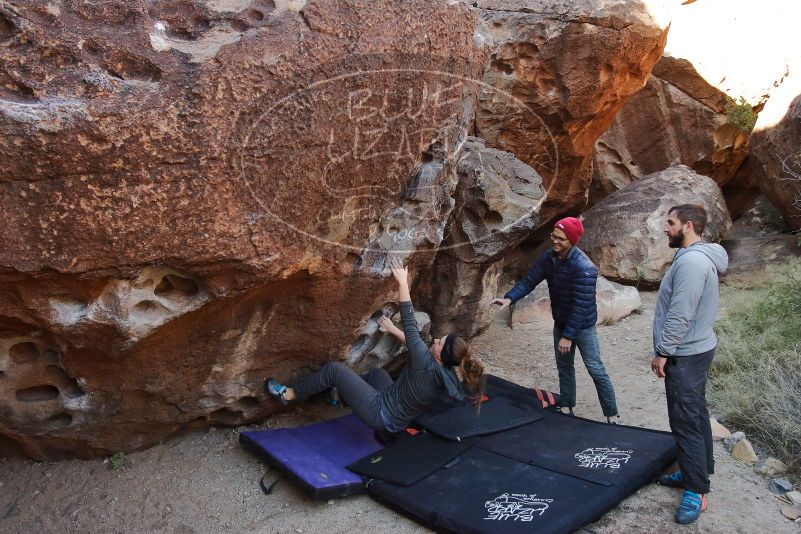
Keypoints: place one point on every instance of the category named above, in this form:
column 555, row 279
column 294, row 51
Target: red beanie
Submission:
column 572, row 227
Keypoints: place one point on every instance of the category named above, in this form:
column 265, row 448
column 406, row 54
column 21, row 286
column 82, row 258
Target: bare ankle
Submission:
column 289, row 394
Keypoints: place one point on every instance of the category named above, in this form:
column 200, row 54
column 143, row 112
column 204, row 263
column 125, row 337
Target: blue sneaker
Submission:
column 674, row 480
column 691, row 506
column 275, row 390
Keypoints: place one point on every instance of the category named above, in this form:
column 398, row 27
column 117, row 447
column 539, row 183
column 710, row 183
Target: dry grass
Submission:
column 755, row 382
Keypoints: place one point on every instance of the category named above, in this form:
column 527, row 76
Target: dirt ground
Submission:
column 207, row 483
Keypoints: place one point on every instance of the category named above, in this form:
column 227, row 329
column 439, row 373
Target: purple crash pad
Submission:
column 315, row 456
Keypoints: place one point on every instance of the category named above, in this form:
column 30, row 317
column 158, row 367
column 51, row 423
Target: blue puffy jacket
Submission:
column 571, row 285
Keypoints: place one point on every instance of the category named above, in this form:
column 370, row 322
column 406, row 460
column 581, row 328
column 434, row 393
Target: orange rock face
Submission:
column 199, row 195
column 776, row 151
column 570, row 74
column 189, row 193
column 677, row 118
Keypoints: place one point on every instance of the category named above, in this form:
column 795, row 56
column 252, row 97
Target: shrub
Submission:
column 117, row 461
column 740, row 114
column 755, row 383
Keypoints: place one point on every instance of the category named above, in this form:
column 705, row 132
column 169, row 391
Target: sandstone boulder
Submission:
column 499, row 199
column 624, row 233
column 200, row 194
column 677, row 118
column 374, row 348
column 570, row 66
column 744, row 53
column 459, row 295
column 762, row 69
column 776, row 150
column 614, row 302
column 497, row 204
column 750, row 254
column 742, row 191
column 533, row 310
column 756, row 240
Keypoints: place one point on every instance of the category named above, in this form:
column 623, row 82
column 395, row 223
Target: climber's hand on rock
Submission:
column 400, row 272
column 385, row 324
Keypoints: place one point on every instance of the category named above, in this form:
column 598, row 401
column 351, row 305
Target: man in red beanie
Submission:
column 571, row 277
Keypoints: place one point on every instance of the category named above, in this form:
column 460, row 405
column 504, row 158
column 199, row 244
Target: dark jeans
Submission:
column 361, row 393
column 587, row 342
column 685, row 387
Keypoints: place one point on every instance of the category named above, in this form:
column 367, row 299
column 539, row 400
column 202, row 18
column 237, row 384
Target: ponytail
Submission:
column 471, row 369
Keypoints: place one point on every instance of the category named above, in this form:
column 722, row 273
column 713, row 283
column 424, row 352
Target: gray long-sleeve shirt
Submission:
column 422, row 381
column 687, row 304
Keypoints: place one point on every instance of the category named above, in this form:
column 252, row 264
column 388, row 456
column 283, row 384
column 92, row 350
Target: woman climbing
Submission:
column 382, row 404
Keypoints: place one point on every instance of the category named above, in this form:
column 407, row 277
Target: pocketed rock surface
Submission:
column 189, row 187
column 207, row 483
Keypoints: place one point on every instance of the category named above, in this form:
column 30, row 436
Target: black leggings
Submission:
column 361, row 393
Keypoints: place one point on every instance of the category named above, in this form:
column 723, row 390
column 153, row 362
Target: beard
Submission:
column 676, row 241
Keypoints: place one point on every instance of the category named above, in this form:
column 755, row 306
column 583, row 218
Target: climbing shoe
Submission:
column 275, row 390
column 674, row 480
column 333, row 398
column 691, row 506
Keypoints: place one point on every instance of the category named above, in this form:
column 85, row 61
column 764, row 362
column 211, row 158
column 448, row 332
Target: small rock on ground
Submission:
column 793, row 496
column 780, row 486
column 719, row 432
column 732, row 440
column 791, row 512
column 771, row 466
column 743, row 451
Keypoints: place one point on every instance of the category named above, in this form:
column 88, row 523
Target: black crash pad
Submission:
column 466, row 420
column 598, row 452
column 411, row 458
column 553, row 475
column 487, row 492
column 533, row 397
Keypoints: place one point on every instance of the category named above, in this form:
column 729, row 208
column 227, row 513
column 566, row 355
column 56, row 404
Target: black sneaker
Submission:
column 275, row 390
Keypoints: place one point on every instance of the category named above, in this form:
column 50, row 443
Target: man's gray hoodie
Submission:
column 687, row 304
